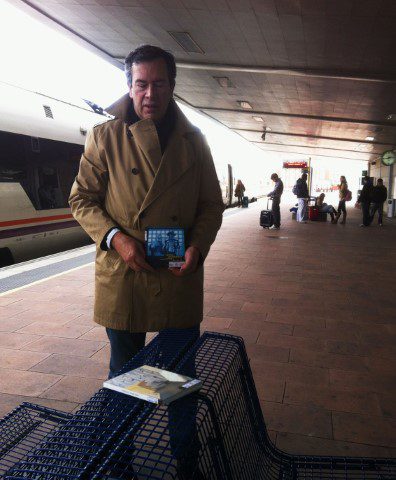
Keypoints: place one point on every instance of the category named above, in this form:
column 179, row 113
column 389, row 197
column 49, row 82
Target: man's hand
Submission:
column 192, row 258
column 131, row 251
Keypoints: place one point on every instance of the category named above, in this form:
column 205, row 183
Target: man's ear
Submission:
column 130, row 93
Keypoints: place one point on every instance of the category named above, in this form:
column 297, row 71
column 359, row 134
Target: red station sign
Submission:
column 295, row 164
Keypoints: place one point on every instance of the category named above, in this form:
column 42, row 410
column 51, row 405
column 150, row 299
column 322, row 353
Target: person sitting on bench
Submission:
column 324, row 208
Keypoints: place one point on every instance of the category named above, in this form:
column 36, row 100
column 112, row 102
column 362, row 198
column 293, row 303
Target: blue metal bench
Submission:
column 76, row 448
column 232, row 441
column 218, row 433
column 22, row 430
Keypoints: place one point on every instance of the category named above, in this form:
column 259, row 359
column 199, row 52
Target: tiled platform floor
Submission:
column 315, row 304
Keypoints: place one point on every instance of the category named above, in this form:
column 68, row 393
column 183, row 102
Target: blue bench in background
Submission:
column 217, row 433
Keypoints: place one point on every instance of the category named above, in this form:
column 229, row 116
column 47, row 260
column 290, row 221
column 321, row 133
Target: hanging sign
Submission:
column 295, row 164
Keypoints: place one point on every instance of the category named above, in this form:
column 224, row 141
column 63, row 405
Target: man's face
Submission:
column 150, row 90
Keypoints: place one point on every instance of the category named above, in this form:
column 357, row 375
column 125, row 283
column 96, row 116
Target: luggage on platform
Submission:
column 313, row 213
column 266, row 217
column 245, row 202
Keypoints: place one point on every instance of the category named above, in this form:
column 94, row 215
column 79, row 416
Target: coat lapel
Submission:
column 146, row 137
column 176, row 160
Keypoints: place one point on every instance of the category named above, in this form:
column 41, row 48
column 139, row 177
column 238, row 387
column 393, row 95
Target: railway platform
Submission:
column 313, row 302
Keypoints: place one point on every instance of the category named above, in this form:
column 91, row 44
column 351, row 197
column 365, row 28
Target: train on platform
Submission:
column 41, row 142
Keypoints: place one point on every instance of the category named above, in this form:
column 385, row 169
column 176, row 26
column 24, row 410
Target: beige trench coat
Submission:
column 117, row 187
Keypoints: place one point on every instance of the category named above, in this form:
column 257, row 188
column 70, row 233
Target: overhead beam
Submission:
column 299, row 115
column 316, row 148
column 295, row 72
column 315, row 154
column 307, row 135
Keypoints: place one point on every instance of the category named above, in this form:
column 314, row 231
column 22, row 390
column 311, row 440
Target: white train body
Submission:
column 41, row 141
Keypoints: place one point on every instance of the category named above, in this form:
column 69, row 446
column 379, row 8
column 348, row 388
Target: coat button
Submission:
column 135, row 171
column 142, row 215
column 174, row 218
column 129, row 133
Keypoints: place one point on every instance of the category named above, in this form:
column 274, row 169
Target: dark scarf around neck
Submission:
column 164, row 126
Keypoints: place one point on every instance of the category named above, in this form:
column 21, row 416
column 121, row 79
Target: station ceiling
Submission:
column 319, row 75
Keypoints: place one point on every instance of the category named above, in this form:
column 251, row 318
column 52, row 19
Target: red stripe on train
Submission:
column 23, row 221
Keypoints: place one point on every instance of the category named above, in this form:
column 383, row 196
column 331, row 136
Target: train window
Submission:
column 45, row 172
column 12, row 158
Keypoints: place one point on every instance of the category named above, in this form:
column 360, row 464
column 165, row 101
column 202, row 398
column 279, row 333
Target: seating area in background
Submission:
column 217, row 433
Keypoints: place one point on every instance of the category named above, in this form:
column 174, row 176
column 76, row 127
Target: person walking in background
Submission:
column 239, row 191
column 275, row 195
column 342, row 189
column 364, row 201
column 378, row 197
column 301, row 190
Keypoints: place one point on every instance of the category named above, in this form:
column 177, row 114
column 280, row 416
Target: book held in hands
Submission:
column 165, row 247
column 153, row 384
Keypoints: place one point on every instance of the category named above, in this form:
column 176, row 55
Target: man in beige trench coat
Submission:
column 147, row 167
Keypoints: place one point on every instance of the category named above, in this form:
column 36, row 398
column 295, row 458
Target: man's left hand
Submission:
column 190, row 265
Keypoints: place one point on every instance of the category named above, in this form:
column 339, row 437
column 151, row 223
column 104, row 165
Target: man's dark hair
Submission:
column 274, row 176
column 304, row 176
column 380, row 181
column 148, row 53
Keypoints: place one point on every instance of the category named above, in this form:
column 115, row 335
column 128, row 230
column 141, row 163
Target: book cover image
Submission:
column 165, row 247
column 153, row 384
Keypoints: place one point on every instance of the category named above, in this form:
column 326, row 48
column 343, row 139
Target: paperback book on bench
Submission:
column 153, row 384
column 165, row 247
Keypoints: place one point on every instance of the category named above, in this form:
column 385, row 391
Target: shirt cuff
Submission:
column 110, row 236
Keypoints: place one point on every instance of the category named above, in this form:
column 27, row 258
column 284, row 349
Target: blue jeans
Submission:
column 182, row 413
column 327, row 209
column 124, row 345
column 302, row 210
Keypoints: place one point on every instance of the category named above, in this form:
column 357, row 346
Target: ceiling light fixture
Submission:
column 185, row 40
column 258, row 119
column 370, row 139
column 244, row 104
column 224, row 82
column 391, row 116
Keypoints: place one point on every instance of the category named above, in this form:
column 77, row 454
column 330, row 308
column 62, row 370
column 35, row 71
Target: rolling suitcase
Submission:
column 266, row 218
column 245, row 202
column 313, row 213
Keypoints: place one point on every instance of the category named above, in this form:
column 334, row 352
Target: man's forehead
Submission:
column 156, row 66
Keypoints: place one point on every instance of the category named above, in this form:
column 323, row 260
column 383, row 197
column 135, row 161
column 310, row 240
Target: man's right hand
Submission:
column 131, row 251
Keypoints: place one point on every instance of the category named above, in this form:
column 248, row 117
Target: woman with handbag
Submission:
column 343, row 193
